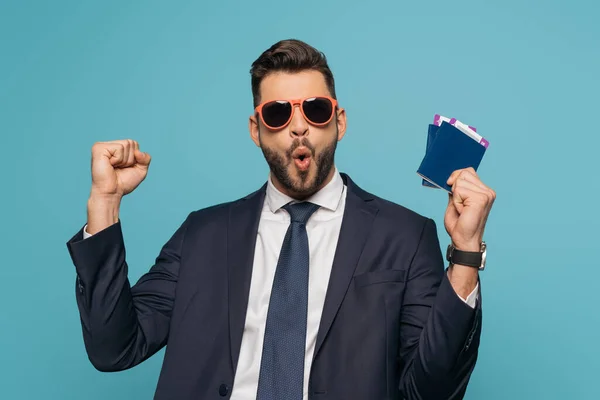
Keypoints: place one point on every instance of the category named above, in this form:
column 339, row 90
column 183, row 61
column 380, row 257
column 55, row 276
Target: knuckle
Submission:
column 119, row 150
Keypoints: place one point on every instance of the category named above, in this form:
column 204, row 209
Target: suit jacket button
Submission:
column 223, row 390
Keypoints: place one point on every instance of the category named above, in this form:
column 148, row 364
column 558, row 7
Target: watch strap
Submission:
column 469, row 258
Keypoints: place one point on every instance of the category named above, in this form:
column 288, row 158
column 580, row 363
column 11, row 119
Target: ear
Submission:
column 254, row 130
column 341, row 123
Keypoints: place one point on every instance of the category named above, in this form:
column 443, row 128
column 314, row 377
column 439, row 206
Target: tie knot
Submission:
column 301, row 212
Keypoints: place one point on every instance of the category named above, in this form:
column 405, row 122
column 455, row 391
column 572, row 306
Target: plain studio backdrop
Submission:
column 174, row 76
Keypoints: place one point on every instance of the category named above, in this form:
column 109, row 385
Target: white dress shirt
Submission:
column 323, row 229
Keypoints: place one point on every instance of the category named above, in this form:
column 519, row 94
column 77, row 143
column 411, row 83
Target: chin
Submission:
column 295, row 183
column 303, row 182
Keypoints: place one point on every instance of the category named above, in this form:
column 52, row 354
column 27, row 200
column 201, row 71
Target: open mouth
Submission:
column 302, row 158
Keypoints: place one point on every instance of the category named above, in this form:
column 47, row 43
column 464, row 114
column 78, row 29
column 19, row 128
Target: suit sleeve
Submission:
column 122, row 325
column 440, row 333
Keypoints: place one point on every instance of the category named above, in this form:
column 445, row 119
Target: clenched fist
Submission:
column 118, row 167
column 468, row 209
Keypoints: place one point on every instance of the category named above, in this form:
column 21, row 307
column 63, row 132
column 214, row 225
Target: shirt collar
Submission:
column 328, row 197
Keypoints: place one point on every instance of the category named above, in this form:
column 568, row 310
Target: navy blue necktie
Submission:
column 282, row 365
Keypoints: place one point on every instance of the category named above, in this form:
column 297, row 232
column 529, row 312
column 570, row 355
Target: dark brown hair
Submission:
column 290, row 55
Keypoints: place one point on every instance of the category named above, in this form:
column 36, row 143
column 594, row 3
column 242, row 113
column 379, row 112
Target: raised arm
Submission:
column 439, row 330
column 122, row 326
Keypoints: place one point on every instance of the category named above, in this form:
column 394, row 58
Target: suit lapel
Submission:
column 242, row 230
column 356, row 226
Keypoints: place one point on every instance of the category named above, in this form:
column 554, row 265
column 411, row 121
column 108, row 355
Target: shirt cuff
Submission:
column 85, row 234
column 472, row 297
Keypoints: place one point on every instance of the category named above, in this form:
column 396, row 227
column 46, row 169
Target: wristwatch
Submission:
column 475, row 259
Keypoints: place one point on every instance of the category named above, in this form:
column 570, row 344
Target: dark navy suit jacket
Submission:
column 392, row 326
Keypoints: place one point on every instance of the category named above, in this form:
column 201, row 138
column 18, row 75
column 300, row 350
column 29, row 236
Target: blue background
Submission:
column 174, row 76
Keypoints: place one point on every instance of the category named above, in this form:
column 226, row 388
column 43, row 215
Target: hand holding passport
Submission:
column 451, row 145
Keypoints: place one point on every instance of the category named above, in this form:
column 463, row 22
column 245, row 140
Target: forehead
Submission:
column 296, row 85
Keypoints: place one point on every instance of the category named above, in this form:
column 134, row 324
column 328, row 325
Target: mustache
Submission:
column 297, row 143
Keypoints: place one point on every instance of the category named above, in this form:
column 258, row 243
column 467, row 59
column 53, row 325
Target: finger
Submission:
column 451, row 210
column 467, row 197
column 470, row 186
column 130, row 152
column 472, row 182
column 128, row 156
column 142, row 158
column 456, row 174
column 136, row 150
column 121, row 153
column 471, row 170
column 469, row 193
column 473, row 178
column 139, row 156
column 453, row 176
column 126, row 152
column 118, row 152
column 470, row 175
column 113, row 151
column 457, row 199
column 454, row 203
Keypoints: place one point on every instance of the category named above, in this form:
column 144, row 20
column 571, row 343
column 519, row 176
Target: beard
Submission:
column 303, row 186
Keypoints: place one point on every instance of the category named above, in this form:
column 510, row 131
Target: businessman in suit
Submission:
column 308, row 288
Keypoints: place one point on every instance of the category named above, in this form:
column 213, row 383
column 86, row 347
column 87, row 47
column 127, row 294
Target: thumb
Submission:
column 142, row 158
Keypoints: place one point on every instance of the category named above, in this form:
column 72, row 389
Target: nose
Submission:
column 298, row 125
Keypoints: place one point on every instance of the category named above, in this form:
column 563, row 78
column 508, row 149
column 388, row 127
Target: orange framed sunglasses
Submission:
column 276, row 114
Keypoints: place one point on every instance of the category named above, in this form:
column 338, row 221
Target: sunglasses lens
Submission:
column 318, row 109
column 276, row 113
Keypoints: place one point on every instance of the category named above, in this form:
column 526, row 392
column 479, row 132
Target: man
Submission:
column 308, row 288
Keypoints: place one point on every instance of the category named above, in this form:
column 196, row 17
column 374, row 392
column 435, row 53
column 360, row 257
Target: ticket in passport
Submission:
column 469, row 130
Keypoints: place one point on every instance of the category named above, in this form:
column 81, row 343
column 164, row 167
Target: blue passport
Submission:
column 431, row 132
column 448, row 149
